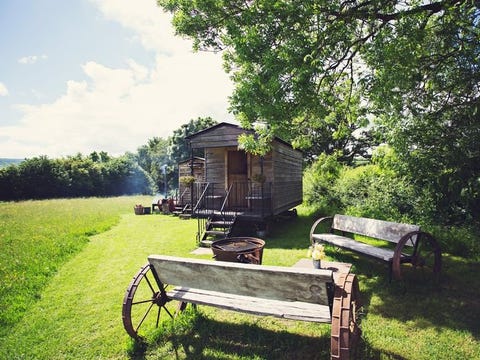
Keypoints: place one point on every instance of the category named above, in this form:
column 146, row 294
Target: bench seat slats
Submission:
column 266, row 282
column 292, row 310
column 351, row 244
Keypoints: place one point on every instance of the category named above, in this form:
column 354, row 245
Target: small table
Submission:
column 336, row 267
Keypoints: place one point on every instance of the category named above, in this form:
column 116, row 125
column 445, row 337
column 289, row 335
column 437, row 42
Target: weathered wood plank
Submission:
column 347, row 243
column 268, row 282
column 379, row 229
column 258, row 306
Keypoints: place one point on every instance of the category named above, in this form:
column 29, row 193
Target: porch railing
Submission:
column 249, row 198
column 246, row 198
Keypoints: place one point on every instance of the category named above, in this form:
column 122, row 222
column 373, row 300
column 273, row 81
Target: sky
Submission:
column 99, row 75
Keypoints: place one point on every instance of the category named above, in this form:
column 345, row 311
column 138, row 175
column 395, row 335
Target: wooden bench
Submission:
column 413, row 246
column 283, row 292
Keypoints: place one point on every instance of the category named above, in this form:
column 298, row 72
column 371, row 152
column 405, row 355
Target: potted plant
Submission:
column 138, row 209
column 187, row 180
column 317, row 253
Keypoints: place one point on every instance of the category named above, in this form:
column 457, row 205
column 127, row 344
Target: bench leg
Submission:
column 426, row 253
column 345, row 328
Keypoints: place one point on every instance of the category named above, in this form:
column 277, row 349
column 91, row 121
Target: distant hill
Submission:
column 5, row 162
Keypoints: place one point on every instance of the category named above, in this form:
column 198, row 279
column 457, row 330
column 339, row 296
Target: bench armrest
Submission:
column 316, row 223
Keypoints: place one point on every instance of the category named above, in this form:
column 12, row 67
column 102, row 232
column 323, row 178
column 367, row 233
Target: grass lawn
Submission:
column 73, row 310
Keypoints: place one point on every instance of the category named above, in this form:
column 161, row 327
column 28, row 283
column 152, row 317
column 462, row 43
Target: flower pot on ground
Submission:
column 138, row 209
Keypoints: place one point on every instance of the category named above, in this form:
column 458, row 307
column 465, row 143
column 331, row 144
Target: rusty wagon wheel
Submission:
column 345, row 327
column 142, row 304
column 425, row 253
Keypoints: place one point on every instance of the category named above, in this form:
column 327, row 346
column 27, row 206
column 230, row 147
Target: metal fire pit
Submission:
column 239, row 249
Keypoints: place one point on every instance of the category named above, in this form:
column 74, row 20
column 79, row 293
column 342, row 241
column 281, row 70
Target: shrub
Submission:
column 458, row 240
column 372, row 192
column 319, row 181
column 377, row 192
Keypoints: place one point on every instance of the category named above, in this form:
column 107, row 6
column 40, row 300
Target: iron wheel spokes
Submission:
column 142, row 297
column 426, row 253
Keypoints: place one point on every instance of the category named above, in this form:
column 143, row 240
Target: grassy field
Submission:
column 65, row 265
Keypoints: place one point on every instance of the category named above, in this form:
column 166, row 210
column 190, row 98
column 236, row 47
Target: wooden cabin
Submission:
column 244, row 184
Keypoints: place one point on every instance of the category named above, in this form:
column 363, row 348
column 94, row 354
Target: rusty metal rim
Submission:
column 345, row 328
column 129, row 301
column 255, row 242
column 423, row 238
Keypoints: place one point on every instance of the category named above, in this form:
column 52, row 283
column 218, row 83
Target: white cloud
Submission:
column 147, row 20
column 119, row 109
column 3, row 89
column 32, row 59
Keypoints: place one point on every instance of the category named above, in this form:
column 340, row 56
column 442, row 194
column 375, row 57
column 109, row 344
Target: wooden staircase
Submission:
column 183, row 211
column 217, row 227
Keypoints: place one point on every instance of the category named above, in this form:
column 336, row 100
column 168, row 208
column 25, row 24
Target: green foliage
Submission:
column 378, row 191
column 428, row 103
column 282, row 58
column 372, row 192
column 459, row 240
column 187, row 180
column 319, row 183
column 99, row 174
column 363, row 191
column 74, row 176
column 258, row 143
column 178, row 147
column 151, row 157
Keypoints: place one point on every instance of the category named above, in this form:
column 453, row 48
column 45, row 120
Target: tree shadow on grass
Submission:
column 450, row 301
column 290, row 233
column 205, row 338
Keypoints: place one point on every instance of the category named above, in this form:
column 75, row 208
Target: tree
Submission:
column 179, row 149
column 152, row 156
column 160, row 157
column 316, row 71
column 274, row 50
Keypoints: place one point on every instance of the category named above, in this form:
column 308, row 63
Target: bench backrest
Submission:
column 378, row 229
column 268, row 282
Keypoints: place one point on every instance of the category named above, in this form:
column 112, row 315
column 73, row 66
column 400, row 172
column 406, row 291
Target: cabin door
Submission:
column 238, row 177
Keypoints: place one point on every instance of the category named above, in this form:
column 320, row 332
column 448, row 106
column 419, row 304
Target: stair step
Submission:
column 206, row 243
column 221, row 224
column 214, row 232
column 184, row 216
